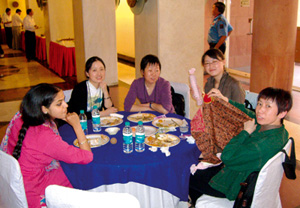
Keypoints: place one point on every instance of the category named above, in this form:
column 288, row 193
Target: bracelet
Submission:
column 83, row 142
column 107, row 98
column 150, row 105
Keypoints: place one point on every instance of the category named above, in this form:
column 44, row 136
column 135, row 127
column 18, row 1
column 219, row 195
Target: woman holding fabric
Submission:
column 152, row 91
column 213, row 62
column 93, row 91
column 262, row 138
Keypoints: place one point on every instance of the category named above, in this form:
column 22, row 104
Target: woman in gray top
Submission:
column 213, row 62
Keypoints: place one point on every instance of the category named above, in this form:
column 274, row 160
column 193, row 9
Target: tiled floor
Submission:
column 16, row 76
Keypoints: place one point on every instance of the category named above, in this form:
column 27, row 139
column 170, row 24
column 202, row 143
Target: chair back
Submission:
column 68, row 94
column 251, row 99
column 184, row 90
column 11, row 183
column 266, row 193
column 59, row 196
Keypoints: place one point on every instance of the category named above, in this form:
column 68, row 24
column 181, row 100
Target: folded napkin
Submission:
column 161, row 116
column 204, row 165
column 116, row 115
column 153, row 149
column 190, row 139
column 166, row 151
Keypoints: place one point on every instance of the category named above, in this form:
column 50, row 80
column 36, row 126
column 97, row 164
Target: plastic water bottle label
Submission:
column 96, row 119
column 139, row 137
column 83, row 124
column 127, row 138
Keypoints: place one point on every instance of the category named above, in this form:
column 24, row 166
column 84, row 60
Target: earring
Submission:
column 45, row 112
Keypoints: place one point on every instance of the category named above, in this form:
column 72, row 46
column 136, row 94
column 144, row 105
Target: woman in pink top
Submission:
column 38, row 147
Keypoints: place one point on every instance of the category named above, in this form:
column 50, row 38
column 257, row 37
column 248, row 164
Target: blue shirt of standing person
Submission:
column 219, row 29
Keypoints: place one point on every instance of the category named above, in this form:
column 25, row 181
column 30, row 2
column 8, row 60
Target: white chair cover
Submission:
column 59, row 196
column 12, row 192
column 252, row 98
column 266, row 193
column 184, row 90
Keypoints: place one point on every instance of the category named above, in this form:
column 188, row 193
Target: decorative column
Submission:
column 95, row 35
column 273, row 46
column 174, row 32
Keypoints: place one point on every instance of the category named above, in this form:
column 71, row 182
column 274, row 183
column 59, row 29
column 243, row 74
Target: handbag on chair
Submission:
column 289, row 164
column 245, row 196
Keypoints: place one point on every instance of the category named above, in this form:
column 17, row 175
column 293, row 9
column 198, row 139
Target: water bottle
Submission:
column 127, row 138
column 140, row 137
column 194, row 87
column 96, row 119
column 83, row 122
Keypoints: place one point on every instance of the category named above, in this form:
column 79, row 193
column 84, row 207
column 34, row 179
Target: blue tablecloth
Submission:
column 111, row 165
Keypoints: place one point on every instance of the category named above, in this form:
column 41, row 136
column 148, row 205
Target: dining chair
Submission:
column 12, row 192
column 184, row 90
column 59, row 196
column 251, row 97
column 67, row 94
column 266, row 193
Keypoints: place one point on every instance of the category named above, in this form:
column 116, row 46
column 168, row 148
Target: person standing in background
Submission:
column 30, row 41
column 7, row 22
column 16, row 29
column 219, row 29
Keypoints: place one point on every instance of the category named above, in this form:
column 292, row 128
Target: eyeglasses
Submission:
column 213, row 63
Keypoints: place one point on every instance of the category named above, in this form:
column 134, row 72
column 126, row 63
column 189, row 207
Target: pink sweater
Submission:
column 40, row 147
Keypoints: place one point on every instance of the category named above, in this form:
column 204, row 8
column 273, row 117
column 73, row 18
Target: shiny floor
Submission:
column 17, row 76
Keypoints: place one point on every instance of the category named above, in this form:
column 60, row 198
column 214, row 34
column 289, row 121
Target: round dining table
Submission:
column 155, row 179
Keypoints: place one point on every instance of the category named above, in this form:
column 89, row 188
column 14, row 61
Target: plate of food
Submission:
column 145, row 117
column 95, row 140
column 167, row 122
column 162, row 140
column 149, row 130
column 110, row 121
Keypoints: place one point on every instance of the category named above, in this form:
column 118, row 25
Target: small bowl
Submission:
column 112, row 130
column 184, row 129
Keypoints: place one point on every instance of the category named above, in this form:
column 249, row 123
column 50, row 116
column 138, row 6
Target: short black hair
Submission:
column 7, row 10
column 90, row 61
column 282, row 98
column 213, row 53
column 28, row 11
column 149, row 59
column 221, row 6
column 18, row 10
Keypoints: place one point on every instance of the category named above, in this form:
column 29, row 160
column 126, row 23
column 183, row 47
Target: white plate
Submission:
column 95, row 140
column 167, row 122
column 149, row 130
column 163, row 140
column 145, row 117
column 110, row 121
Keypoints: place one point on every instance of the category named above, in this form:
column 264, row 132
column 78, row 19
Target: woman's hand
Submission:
column 108, row 111
column 103, row 86
column 73, row 120
column 250, row 126
column 216, row 93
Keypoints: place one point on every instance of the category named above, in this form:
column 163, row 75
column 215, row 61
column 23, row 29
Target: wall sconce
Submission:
column 136, row 6
column 15, row 4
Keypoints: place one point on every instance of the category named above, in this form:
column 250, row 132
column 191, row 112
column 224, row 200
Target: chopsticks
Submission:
column 175, row 122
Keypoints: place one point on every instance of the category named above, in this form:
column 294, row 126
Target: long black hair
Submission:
column 31, row 110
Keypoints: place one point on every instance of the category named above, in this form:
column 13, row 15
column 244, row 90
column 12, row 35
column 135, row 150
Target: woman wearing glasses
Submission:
column 220, row 81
